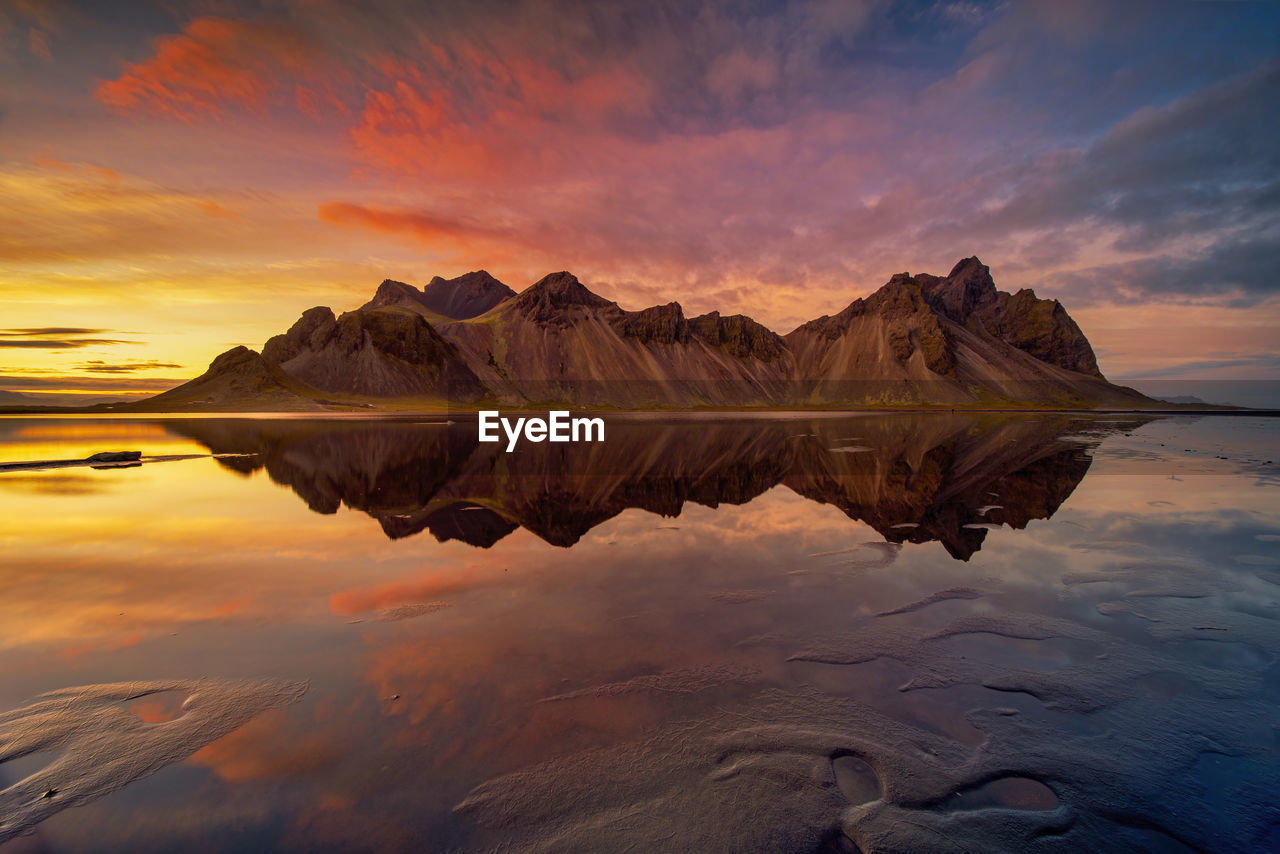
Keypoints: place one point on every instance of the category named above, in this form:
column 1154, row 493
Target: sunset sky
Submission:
column 178, row 178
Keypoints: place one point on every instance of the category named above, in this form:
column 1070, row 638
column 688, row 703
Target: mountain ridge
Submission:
column 922, row 340
column 459, row 298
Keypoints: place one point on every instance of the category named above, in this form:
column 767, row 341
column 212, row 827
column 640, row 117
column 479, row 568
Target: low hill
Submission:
column 240, row 380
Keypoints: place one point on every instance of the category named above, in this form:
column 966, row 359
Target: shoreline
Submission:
column 471, row 414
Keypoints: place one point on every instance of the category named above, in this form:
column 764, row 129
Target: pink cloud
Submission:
column 213, row 62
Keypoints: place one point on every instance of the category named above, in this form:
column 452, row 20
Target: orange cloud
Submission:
column 48, row 161
column 358, row 600
column 422, row 226
column 269, row 747
column 78, row 650
column 476, row 119
column 518, row 255
column 212, row 208
column 434, row 676
column 314, row 104
column 213, row 62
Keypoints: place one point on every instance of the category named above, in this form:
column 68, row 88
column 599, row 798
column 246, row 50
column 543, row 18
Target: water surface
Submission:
column 799, row 633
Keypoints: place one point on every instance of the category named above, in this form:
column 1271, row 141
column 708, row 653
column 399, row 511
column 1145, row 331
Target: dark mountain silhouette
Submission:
column 918, row 478
column 953, row 341
column 467, row 296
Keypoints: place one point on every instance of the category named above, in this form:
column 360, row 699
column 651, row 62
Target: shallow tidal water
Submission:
column 876, row 633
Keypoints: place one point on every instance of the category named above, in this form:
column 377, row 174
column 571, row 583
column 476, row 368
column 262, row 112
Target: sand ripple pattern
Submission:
column 102, row 747
column 685, row 680
column 1059, row 765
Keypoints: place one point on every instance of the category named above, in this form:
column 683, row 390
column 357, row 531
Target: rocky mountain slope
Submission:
column 923, row 340
column 378, row 352
column 953, row 341
column 240, row 380
column 558, row 341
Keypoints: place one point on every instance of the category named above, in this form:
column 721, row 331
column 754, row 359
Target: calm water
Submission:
column 878, row 633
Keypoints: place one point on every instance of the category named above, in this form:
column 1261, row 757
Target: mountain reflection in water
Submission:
column 912, row 478
column 873, row 633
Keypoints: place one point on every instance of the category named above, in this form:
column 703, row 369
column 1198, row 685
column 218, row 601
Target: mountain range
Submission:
column 922, row 340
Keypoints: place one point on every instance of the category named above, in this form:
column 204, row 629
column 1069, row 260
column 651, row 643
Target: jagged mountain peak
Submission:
column 391, row 292
column 563, row 285
column 738, row 335
column 659, row 323
column 554, row 294
column 315, row 325
column 461, row 298
column 901, row 291
column 476, row 278
column 469, row 295
column 399, row 294
column 375, row 350
column 967, row 288
column 969, row 266
column 390, row 286
column 938, row 337
column 1040, row 327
